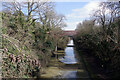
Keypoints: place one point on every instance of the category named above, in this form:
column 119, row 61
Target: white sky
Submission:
column 59, row 0
column 80, row 14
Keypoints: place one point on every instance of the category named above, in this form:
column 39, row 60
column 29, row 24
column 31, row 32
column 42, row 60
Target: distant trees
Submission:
column 101, row 36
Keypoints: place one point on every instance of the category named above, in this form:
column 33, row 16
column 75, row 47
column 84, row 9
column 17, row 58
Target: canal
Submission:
column 69, row 57
column 75, row 66
column 69, row 66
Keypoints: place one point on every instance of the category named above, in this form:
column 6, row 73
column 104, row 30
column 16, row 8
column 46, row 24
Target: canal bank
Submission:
column 67, row 66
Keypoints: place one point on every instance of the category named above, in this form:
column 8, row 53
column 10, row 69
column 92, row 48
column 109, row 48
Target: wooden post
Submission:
column 56, row 49
column 56, row 52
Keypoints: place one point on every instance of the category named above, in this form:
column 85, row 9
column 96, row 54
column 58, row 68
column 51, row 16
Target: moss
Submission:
column 51, row 72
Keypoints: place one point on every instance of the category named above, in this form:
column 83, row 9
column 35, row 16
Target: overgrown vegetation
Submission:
column 30, row 33
column 100, row 37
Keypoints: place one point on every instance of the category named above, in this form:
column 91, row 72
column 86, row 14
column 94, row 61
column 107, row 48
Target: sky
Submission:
column 75, row 12
column 0, row 6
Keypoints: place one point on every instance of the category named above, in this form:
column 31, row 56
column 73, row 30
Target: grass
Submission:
column 51, row 72
column 53, row 69
column 86, row 65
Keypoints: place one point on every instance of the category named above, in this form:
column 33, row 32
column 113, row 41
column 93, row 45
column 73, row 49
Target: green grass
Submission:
column 86, row 65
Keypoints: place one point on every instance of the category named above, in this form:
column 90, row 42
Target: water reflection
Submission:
column 69, row 57
column 70, row 43
column 70, row 74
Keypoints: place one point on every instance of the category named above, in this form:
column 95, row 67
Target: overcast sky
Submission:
column 75, row 12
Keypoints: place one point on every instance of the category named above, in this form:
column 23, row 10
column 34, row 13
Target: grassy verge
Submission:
column 86, row 64
column 53, row 70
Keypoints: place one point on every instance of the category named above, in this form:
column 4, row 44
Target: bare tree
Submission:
column 106, row 15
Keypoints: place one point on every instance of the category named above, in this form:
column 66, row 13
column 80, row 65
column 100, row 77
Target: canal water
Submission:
column 69, row 57
column 71, row 62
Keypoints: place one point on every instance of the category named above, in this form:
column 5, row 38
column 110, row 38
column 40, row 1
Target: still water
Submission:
column 69, row 57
